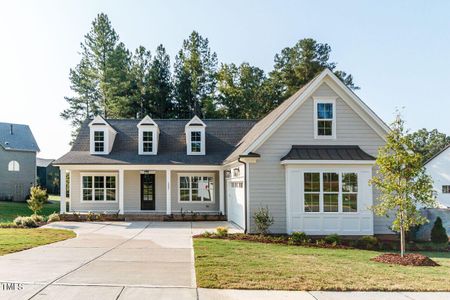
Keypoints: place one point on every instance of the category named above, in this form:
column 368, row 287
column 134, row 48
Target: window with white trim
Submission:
column 196, row 188
column 330, row 192
column 13, row 166
column 196, row 141
column 99, row 141
column 99, row 188
column 147, row 141
column 325, row 118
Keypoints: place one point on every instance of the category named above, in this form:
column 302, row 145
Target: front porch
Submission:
column 143, row 191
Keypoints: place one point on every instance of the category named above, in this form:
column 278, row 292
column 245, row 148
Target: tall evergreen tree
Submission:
column 140, row 68
column 243, row 92
column 195, row 78
column 160, row 82
column 295, row 66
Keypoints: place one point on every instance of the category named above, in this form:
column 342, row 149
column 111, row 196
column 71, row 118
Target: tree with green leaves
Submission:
column 429, row 143
column 296, row 66
column 140, row 67
column 402, row 182
column 195, row 78
column 243, row 92
column 100, row 81
column 160, row 82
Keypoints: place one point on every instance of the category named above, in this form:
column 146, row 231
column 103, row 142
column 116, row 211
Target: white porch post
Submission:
column 168, row 192
column 62, row 186
column 221, row 192
column 121, row 191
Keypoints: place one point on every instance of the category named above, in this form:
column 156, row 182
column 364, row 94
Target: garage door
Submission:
column 235, row 200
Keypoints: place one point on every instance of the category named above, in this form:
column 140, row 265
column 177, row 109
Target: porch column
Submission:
column 62, row 185
column 221, row 193
column 168, row 192
column 121, row 191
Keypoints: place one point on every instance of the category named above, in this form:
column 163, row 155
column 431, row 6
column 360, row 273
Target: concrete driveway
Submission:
column 133, row 260
column 114, row 260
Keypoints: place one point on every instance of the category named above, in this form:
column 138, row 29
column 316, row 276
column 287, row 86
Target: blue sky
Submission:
column 397, row 51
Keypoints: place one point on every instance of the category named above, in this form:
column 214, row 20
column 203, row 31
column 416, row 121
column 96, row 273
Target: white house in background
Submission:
column 438, row 167
column 309, row 161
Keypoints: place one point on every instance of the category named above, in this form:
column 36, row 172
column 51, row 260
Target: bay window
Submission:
column 196, row 188
column 330, row 192
column 99, row 188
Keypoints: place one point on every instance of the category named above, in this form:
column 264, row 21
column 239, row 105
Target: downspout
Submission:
column 245, row 194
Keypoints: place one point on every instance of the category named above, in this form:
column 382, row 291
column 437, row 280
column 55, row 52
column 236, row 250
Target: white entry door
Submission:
column 235, row 201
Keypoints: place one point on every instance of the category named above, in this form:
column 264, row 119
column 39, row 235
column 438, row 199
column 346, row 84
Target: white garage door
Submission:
column 235, row 201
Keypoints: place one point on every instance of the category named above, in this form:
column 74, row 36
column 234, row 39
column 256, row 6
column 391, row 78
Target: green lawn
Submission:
column 249, row 265
column 17, row 239
column 10, row 210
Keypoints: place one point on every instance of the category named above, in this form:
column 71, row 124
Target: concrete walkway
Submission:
column 132, row 260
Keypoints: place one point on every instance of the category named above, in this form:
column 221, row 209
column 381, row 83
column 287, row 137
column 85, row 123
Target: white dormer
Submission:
column 148, row 133
column 102, row 136
column 195, row 136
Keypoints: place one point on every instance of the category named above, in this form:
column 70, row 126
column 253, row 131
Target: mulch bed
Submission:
column 410, row 259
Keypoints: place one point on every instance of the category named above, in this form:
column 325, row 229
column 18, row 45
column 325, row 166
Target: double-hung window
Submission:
column 196, row 141
column 330, row 192
column 196, row 188
column 99, row 141
column 446, row 189
column 99, row 188
column 147, row 141
column 325, row 118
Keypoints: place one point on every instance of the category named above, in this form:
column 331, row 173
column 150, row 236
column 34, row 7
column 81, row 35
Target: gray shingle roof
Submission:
column 17, row 137
column 315, row 152
column 43, row 162
column 221, row 138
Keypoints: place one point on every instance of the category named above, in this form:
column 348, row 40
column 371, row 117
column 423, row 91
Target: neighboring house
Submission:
column 18, row 150
column 438, row 167
column 309, row 161
column 47, row 175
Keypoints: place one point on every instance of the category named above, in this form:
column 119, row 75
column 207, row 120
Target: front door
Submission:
column 147, row 191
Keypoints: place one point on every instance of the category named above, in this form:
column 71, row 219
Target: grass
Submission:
column 249, row 265
column 10, row 210
column 15, row 239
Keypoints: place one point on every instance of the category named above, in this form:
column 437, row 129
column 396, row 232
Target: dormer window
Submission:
column 99, row 141
column 102, row 136
column 148, row 133
column 195, row 136
column 325, row 118
column 147, row 141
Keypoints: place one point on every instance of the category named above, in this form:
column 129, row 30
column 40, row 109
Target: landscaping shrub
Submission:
column 334, row 239
column 91, row 216
column 367, row 242
column 54, row 217
column 222, row 231
column 438, row 233
column 263, row 220
column 37, row 199
column 298, row 238
column 25, row 222
column 38, row 218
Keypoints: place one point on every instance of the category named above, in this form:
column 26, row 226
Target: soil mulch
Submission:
column 410, row 259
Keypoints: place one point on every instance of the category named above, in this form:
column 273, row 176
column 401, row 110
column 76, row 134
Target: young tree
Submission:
column 195, row 78
column 428, row 143
column 402, row 182
column 37, row 199
column 296, row 66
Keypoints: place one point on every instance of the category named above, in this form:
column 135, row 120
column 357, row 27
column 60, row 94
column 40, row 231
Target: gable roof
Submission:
column 17, row 137
column 221, row 138
column 268, row 125
column 325, row 152
column 43, row 162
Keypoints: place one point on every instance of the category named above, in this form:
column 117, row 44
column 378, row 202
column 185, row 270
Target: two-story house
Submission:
column 309, row 161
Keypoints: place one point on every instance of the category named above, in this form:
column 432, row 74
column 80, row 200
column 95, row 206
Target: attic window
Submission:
column 147, row 141
column 196, row 141
column 324, row 118
column 99, row 141
column 195, row 136
column 13, row 166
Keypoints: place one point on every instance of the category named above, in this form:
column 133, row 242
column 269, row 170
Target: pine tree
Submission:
column 141, row 64
column 160, row 83
column 195, row 78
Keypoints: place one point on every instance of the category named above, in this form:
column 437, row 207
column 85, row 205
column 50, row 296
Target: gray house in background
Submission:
column 18, row 150
column 47, row 175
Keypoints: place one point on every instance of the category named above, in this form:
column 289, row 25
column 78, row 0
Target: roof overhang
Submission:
column 327, row 162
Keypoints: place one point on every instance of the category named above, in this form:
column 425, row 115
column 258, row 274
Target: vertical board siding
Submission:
column 267, row 185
